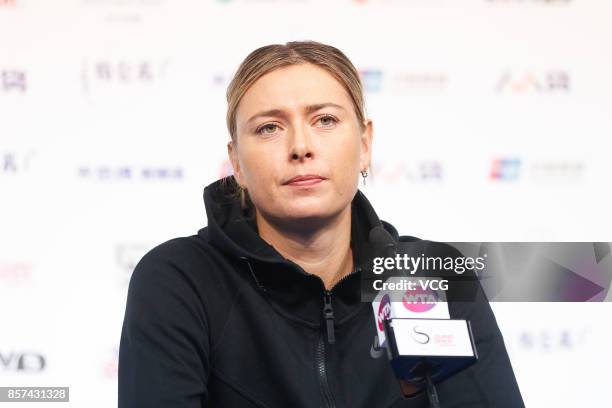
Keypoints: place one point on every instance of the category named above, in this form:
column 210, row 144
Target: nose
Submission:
column 301, row 146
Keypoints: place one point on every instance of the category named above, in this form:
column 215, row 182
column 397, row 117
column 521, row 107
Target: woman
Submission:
column 262, row 307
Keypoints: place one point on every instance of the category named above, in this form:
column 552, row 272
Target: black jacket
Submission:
column 221, row 319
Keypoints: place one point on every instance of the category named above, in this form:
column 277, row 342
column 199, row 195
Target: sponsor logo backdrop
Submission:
column 492, row 123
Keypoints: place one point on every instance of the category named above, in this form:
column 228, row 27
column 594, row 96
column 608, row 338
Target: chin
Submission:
column 305, row 213
column 320, row 210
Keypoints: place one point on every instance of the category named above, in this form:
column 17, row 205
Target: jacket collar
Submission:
column 233, row 231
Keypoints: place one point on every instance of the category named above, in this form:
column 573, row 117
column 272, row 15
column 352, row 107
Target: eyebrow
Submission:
column 307, row 109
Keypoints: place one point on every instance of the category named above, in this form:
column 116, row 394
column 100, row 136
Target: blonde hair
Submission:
column 270, row 57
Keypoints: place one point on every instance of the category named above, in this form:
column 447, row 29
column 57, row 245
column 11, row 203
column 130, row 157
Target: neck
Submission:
column 321, row 247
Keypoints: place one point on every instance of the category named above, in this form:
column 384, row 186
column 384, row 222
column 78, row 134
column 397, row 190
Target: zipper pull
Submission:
column 328, row 313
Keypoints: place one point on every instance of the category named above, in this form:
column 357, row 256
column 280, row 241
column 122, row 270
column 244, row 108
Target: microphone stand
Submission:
column 432, row 394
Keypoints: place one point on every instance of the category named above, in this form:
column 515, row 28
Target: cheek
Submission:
column 346, row 158
column 258, row 171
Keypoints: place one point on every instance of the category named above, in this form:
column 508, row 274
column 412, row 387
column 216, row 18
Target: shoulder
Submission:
column 181, row 250
column 176, row 259
column 183, row 276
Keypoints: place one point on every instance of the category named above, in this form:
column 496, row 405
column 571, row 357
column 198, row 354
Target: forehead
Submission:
column 292, row 88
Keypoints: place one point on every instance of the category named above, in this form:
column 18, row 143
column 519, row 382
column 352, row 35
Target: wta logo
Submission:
column 420, row 300
column 384, row 311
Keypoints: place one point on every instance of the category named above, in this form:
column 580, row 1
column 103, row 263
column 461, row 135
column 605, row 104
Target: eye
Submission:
column 329, row 117
column 260, row 129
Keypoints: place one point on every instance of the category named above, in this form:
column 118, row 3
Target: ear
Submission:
column 365, row 157
column 233, row 157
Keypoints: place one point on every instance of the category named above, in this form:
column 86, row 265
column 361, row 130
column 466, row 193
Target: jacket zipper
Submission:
column 328, row 311
column 328, row 314
column 327, row 395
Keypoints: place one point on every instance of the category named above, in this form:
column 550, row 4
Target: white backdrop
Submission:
column 492, row 122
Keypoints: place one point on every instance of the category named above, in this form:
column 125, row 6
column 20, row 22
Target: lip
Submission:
column 305, row 180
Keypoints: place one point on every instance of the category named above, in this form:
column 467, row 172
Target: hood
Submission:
column 233, row 231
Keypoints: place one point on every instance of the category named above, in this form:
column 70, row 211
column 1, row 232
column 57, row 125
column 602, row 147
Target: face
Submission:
column 299, row 121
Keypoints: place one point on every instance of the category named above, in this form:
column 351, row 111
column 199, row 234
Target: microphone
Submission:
column 413, row 325
column 383, row 241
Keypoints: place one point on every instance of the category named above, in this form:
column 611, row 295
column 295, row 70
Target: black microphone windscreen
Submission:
column 382, row 241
